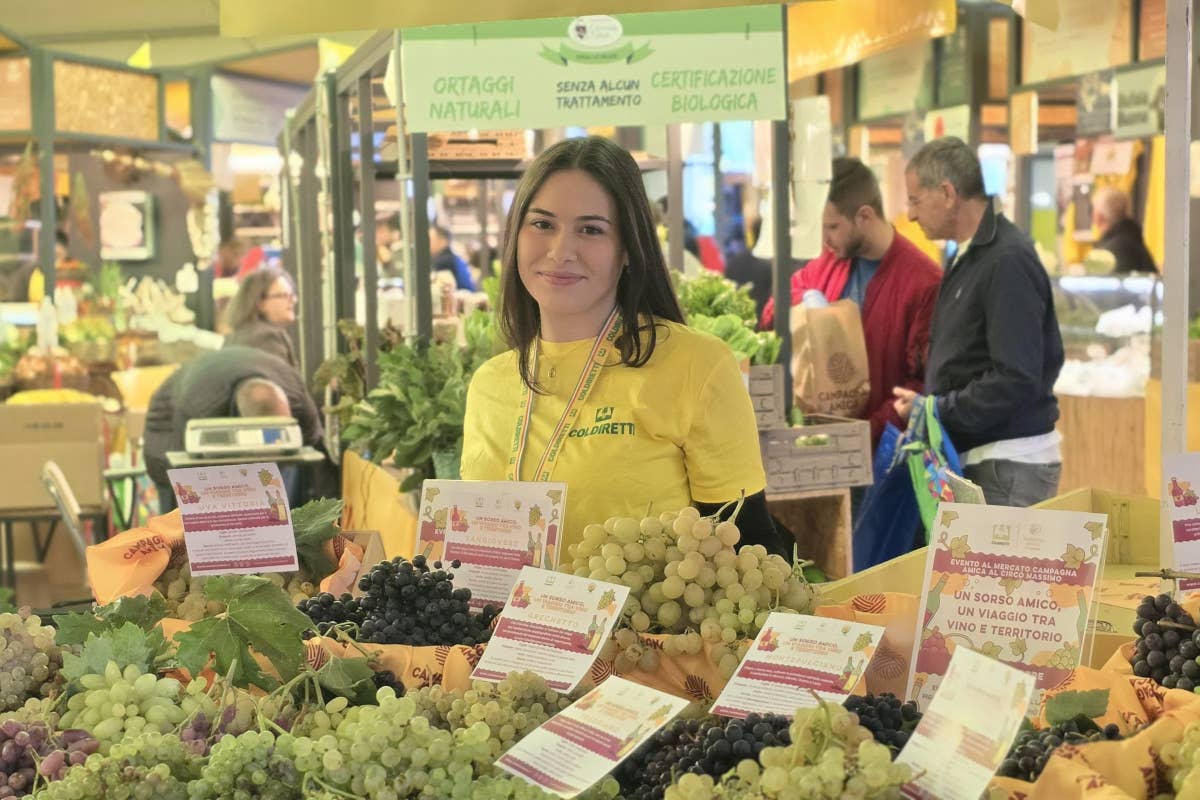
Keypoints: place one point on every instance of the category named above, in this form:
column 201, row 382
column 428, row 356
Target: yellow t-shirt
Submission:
column 677, row 430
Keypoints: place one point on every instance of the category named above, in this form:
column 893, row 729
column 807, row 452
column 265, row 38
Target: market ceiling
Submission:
column 254, row 17
column 179, row 32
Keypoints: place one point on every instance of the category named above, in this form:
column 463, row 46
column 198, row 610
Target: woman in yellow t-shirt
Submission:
column 626, row 415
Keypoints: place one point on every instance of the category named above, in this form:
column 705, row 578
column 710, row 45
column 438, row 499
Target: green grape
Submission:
column 30, row 657
column 120, row 704
column 149, row 766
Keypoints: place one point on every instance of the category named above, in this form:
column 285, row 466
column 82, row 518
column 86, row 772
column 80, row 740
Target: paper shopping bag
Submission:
column 829, row 360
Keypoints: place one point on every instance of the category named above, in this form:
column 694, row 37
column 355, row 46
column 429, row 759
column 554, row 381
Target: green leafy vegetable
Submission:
column 258, row 616
column 315, row 523
column 713, row 295
column 1067, row 706
column 127, row 644
column 144, row 612
column 757, row 348
column 417, row 409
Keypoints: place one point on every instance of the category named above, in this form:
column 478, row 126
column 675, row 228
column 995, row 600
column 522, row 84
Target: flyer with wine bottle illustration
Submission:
column 236, row 519
column 967, row 729
column 796, row 659
column 1014, row 584
column 1181, row 474
column 581, row 744
column 494, row 528
column 553, row 624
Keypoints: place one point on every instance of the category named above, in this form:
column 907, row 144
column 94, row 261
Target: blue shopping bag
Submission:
column 889, row 518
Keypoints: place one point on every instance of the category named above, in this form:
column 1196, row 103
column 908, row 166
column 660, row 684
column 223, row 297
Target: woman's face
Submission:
column 569, row 255
column 278, row 305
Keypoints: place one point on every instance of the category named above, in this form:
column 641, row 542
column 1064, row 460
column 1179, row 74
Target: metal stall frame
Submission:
column 415, row 171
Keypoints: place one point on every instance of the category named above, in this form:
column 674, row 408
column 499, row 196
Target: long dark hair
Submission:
column 644, row 292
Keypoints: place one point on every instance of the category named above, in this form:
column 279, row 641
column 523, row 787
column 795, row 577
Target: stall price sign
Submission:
column 1014, row 584
column 795, row 661
column 625, row 69
column 494, row 528
column 583, row 743
column 1181, row 474
column 553, row 624
column 236, row 519
column 967, row 729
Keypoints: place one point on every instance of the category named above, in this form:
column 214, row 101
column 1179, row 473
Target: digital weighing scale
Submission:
column 222, row 437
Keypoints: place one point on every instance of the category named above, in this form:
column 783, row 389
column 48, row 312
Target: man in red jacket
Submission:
column 894, row 284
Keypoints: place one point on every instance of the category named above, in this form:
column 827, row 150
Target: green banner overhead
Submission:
column 629, row 69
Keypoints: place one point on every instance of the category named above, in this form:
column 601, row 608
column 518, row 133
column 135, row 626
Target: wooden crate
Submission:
column 452, row 145
column 1132, row 522
column 793, row 469
column 766, row 392
column 820, row 523
column 1104, row 443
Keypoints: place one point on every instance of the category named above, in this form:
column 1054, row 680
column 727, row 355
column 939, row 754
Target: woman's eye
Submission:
column 592, row 230
column 541, row 224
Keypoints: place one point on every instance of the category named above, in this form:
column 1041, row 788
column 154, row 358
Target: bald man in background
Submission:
column 234, row 382
column 1120, row 234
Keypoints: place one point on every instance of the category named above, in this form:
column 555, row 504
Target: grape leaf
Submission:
column 258, row 615
column 1073, row 556
column 991, row 650
column 349, row 677
column 315, row 523
column 125, row 645
column 144, row 612
column 1066, row 706
column 1018, row 647
column 1010, row 585
column 6, row 605
column 959, row 546
column 1096, row 529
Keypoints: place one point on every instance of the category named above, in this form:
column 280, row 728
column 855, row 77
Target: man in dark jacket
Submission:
column 232, row 382
column 995, row 349
column 1119, row 232
column 894, row 284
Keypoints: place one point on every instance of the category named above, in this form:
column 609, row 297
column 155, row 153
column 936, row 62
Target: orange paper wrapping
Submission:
column 1124, row 770
column 897, row 614
column 127, row 564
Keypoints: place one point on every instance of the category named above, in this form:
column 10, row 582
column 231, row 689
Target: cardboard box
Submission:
column 70, row 434
column 795, row 469
column 766, row 392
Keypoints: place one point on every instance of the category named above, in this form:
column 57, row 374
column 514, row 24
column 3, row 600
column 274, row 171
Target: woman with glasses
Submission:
column 262, row 313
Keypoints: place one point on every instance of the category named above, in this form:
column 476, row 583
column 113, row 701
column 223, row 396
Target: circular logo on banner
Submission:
column 594, row 31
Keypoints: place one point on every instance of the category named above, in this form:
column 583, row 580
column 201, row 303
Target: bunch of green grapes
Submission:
column 149, row 766
column 1181, row 760
column 29, row 659
column 511, row 708
column 313, row 721
column 687, row 578
column 184, row 594
column 125, row 703
column 831, row 756
column 254, row 764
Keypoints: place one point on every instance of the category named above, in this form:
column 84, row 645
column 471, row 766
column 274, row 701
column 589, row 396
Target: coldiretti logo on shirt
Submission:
column 604, row 425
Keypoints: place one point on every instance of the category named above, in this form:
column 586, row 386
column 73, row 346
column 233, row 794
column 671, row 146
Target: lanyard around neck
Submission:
column 583, row 386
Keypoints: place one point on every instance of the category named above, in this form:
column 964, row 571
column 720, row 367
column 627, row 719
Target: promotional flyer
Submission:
column 494, row 528
column 1014, row 584
column 236, row 519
